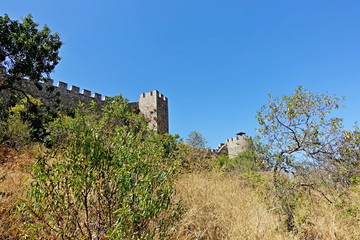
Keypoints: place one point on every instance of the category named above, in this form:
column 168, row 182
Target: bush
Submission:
column 193, row 159
column 253, row 159
column 13, row 130
column 22, row 121
column 110, row 180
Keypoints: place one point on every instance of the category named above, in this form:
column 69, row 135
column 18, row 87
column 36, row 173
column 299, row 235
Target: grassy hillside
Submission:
column 95, row 173
column 240, row 207
column 215, row 205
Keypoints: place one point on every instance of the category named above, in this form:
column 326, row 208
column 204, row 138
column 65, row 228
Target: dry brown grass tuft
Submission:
column 219, row 207
column 318, row 219
column 14, row 166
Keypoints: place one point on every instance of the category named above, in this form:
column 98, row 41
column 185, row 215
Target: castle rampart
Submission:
column 60, row 95
column 153, row 105
column 235, row 145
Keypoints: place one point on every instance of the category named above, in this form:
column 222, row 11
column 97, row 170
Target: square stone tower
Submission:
column 154, row 106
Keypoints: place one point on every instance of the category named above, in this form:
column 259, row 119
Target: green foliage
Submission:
column 14, row 132
column 108, row 177
column 299, row 126
column 302, row 136
column 30, row 111
column 24, row 122
column 346, row 163
column 196, row 140
column 20, row 124
column 26, row 51
column 251, row 160
column 221, row 161
column 244, row 162
column 193, row 159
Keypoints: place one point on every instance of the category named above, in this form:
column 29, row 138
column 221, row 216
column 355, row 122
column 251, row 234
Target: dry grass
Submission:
column 216, row 206
column 221, row 207
column 14, row 166
column 318, row 219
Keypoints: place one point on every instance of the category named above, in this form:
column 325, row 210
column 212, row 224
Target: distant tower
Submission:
column 237, row 145
column 233, row 146
column 154, row 106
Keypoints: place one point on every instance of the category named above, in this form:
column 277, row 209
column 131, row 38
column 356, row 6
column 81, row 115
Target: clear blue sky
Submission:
column 216, row 61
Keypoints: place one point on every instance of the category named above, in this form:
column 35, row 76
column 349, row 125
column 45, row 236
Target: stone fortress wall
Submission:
column 60, row 94
column 235, row 145
column 152, row 104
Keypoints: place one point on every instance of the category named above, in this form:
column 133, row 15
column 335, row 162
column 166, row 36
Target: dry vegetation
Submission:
column 216, row 206
column 14, row 165
column 223, row 207
column 220, row 207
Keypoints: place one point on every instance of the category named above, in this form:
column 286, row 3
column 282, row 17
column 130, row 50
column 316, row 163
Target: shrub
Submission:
column 193, row 159
column 13, row 130
column 110, row 179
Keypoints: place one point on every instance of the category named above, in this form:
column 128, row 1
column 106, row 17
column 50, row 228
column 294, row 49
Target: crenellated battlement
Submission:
column 235, row 145
column 63, row 86
column 152, row 104
column 154, row 93
column 220, row 147
column 238, row 138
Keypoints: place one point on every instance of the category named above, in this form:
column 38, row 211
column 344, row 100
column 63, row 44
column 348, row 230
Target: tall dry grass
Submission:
column 219, row 207
column 316, row 218
column 14, row 165
column 215, row 206
column 222, row 207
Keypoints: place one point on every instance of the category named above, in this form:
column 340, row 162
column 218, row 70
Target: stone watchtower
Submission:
column 237, row 145
column 154, row 106
column 233, row 146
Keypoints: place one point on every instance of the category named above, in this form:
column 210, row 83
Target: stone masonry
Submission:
column 233, row 146
column 152, row 104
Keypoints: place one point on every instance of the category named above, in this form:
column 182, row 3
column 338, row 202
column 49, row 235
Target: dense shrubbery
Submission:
column 252, row 160
column 23, row 120
column 194, row 159
column 107, row 176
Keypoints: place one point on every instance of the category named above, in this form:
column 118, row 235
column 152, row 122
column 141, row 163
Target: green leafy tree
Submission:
column 295, row 128
column 26, row 52
column 31, row 53
column 345, row 167
column 299, row 126
column 195, row 139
